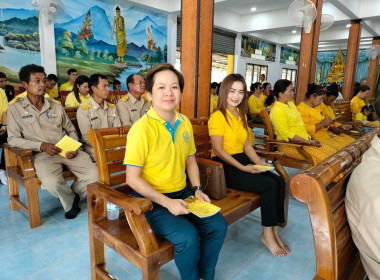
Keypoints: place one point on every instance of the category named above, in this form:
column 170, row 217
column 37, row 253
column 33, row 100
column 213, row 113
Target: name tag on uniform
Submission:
column 27, row 116
column 134, row 110
column 94, row 118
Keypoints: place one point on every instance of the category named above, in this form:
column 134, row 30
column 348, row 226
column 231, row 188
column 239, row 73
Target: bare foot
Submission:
column 271, row 243
column 279, row 241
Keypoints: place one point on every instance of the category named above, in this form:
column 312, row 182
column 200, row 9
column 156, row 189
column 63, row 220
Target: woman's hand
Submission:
column 250, row 169
column 202, row 196
column 263, row 163
column 315, row 143
column 177, row 206
column 326, row 122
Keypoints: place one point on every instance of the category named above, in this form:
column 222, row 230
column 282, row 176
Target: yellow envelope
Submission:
column 68, row 144
column 202, row 210
column 263, row 167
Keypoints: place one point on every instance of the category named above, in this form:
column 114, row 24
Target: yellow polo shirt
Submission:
column 53, row 92
column 66, row 87
column 263, row 97
column 287, row 121
column 71, row 101
column 327, row 111
column 255, row 104
column 3, row 104
column 360, row 117
column 160, row 150
column 234, row 134
column 356, row 105
column 213, row 103
column 311, row 117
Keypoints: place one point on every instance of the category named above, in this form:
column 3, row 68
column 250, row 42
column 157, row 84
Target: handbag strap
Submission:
column 208, row 174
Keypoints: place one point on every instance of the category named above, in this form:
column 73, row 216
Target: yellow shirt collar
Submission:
column 153, row 114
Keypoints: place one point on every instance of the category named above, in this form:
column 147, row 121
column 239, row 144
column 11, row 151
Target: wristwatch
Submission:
column 195, row 188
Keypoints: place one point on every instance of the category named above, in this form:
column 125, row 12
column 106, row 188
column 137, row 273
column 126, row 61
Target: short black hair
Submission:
column 332, row 91
column 71, row 70
column 52, row 77
column 116, row 82
column 2, row 75
column 149, row 81
column 254, row 86
column 29, row 69
column 94, row 80
column 313, row 89
column 265, row 85
column 130, row 79
column 214, row 85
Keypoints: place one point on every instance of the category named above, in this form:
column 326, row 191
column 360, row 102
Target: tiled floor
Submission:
column 59, row 248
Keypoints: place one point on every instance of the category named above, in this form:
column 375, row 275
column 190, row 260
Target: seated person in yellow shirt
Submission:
column 288, row 125
column 228, row 131
column 266, row 89
column 81, row 93
column 362, row 117
column 51, row 82
column 213, row 97
column 357, row 102
column 160, row 148
column 69, row 85
column 255, row 103
column 316, row 124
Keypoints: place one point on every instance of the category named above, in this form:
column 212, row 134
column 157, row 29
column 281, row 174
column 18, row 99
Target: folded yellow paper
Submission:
column 202, row 210
column 68, row 144
column 263, row 167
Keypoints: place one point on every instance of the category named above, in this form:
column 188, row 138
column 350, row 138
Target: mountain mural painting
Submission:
column 85, row 43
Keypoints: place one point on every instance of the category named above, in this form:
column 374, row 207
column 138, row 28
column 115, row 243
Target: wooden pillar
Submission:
column 308, row 54
column 372, row 70
column 196, row 48
column 351, row 59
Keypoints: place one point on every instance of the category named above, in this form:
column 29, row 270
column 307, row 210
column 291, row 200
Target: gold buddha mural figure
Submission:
column 336, row 72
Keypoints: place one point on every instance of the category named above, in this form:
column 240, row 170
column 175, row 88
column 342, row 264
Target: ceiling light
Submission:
column 348, row 25
column 253, row 9
column 294, row 31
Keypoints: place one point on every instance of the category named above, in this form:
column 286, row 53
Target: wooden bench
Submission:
column 115, row 95
column 63, row 94
column 131, row 235
column 20, row 171
column 323, row 189
column 343, row 109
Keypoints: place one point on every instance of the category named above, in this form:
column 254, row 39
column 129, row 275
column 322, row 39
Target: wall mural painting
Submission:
column 115, row 40
column 19, row 37
column 255, row 48
column 289, row 56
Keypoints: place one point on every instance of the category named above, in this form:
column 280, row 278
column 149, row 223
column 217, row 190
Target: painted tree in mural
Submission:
column 166, row 52
column 158, row 55
column 80, row 45
column 65, row 44
column 144, row 58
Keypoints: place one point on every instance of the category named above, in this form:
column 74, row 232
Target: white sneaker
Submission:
column 3, row 178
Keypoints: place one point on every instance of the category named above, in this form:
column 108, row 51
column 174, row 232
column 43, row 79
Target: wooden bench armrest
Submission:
column 19, row 151
column 293, row 143
column 270, row 155
column 209, row 161
column 128, row 203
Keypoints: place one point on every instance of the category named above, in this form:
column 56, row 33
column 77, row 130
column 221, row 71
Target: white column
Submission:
column 47, row 44
column 237, row 53
column 172, row 38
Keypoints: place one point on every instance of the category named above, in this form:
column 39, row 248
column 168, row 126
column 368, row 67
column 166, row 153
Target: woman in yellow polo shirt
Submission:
column 288, row 125
column 230, row 145
column 255, row 103
column 81, row 93
column 317, row 124
column 357, row 102
column 160, row 148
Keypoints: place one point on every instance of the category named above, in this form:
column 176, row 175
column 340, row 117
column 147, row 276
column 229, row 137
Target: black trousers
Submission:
column 270, row 186
column 3, row 139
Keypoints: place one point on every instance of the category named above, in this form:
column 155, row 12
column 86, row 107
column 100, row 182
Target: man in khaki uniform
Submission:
column 38, row 123
column 132, row 106
column 97, row 113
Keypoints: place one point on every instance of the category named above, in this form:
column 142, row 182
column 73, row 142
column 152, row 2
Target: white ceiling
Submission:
column 270, row 21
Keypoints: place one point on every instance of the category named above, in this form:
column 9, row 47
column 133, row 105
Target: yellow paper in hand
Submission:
column 263, row 167
column 68, row 144
column 202, row 210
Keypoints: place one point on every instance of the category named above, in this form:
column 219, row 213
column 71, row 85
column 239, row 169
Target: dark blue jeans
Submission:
column 197, row 241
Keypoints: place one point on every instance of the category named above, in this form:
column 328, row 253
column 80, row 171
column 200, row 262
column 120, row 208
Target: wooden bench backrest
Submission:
column 323, row 189
column 115, row 95
column 264, row 115
column 201, row 137
column 63, row 94
column 343, row 109
column 109, row 146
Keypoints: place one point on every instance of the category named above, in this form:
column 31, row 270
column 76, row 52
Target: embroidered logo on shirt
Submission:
column 186, row 136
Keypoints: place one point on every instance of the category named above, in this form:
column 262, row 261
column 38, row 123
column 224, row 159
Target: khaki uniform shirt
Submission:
column 28, row 127
column 363, row 208
column 91, row 115
column 131, row 110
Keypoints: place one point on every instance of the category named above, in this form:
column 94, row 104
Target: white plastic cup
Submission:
column 112, row 211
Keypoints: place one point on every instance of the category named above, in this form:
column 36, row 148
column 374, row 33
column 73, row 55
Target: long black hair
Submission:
column 78, row 82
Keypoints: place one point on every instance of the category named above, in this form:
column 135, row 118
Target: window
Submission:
column 219, row 67
column 289, row 74
column 253, row 72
